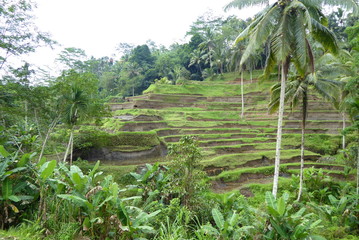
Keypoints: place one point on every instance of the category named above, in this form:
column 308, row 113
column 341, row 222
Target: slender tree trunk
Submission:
column 250, row 74
column 358, row 168
column 279, row 129
column 242, row 94
column 49, row 131
column 26, row 120
column 210, row 57
column 304, row 119
column 72, row 147
column 37, row 123
column 279, row 75
column 343, row 139
column 68, row 145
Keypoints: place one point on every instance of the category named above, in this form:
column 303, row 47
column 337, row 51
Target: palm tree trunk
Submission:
column 279, row 75
column 358, row 167
column 279, row 129
column 242, row 93
column 52, row 126
column 68, row 146
column 72, row 147
column 304, row 119
column 343, row 139
column 37, row 123
column 26, row 118
column 250, row 73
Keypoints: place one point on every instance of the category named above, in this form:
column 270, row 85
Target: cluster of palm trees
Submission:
column 215, row 54
column 291, row 31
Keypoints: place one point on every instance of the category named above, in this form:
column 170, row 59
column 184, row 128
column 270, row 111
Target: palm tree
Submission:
column 297, row 90
column 285, row 28
column 208, row 43
column 196, row 59
column 352, row 106
column 134, row 71
column 75, row 104
column 236, row 54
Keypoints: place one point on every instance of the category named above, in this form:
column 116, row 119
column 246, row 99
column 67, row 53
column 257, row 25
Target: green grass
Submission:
column 234, row 175
column 212, row 136
column 232, row 160
column 26, row 231
column 203, row 124
column 112, row 124
column 234, row 75
column 244, row 140
column 206, row 88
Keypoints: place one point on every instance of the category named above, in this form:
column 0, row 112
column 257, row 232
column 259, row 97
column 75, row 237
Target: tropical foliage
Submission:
column 45, row 121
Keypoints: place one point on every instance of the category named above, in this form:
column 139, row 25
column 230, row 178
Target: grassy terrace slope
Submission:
column 235, row 150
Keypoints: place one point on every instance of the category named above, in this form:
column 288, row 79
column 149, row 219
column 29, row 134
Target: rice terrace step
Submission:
column 214, row 118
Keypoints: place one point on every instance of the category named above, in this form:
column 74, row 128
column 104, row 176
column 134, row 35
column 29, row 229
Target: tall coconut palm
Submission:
column 285, row 28
column 134, row 71
column 297, row 90
column 352, row 107
column 235, row 60
column 209, row 43
column 196, row 59
column 75, row 103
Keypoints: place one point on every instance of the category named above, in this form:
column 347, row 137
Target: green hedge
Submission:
column 98, row 139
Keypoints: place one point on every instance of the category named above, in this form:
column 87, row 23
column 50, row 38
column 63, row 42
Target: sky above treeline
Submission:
column 99, row 26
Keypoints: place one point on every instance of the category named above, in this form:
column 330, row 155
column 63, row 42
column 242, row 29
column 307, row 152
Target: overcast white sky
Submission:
column 98, row 26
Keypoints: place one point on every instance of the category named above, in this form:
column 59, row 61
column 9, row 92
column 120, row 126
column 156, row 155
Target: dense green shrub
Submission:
column 97, row 139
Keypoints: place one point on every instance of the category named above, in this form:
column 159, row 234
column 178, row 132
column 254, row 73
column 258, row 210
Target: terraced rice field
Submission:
column 237, row 151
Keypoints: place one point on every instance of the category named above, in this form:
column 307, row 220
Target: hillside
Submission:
column 237, row 152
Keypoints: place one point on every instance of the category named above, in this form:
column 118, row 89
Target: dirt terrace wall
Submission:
column 107, row 154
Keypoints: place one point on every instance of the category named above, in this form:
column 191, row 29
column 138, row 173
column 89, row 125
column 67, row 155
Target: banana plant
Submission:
column 17, row 185
column 153, row 179
column 137, row 222
column 101, row 211
column 229, row 228
column 342, row 211
column 44, row 171
column 286, row 224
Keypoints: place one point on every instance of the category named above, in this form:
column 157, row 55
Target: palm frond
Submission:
column 240, row 4
column 293, row 91
column 349, row 5
column 274, row 101
column 281, row 41
column 310, row 56
column 312, row 4
column 324, row 36
column 300, row 50
column 261, row 31
column 269, row 66
column 246, row 32
column 328, row 90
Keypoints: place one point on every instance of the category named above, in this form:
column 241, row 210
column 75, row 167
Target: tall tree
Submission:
column 285, row 27
column 18, row 33
column 133, row 73
column 75, row 103
column 196, row 59
column 297, row 91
